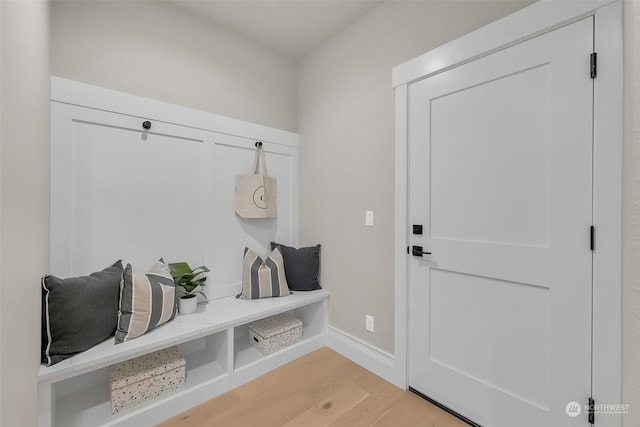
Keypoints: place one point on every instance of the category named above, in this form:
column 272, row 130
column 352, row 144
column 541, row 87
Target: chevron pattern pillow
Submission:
column 263, row 279
column 146, row 301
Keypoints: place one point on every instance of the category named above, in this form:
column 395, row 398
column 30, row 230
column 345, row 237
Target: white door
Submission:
column 500, row 159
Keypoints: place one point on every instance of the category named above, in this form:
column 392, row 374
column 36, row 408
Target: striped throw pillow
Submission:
column 263, row 279
column 146, row 301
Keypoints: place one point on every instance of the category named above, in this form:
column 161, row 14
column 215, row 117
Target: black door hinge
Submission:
column 591, row 411
column 592, row 238
column 594, row 65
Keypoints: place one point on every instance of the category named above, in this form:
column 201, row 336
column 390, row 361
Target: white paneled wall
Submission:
column 119, row 191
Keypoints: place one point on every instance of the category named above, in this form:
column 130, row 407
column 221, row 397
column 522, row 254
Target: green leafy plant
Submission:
column 189, row 279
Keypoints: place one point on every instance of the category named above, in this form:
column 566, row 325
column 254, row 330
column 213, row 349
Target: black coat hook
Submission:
column 146, row 125
column 258, row 144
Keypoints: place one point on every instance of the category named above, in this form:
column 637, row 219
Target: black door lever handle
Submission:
column 418, row 251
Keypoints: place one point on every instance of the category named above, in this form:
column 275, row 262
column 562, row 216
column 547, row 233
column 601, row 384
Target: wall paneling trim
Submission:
column 120, row 191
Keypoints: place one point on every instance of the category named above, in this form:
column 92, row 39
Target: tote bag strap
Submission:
column 259, row 156
column 254, row 169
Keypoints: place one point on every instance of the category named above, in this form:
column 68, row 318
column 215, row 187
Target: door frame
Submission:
column 533, row 20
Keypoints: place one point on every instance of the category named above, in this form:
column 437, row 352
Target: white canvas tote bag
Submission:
column 256, row 192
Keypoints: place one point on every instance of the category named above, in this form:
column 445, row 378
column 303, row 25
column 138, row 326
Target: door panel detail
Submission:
column 500, row 176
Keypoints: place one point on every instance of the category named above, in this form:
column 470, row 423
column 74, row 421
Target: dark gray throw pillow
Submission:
column 301, row 266
column 78, row 312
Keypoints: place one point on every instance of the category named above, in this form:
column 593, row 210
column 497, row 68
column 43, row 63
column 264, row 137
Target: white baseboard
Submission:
column 371, row 358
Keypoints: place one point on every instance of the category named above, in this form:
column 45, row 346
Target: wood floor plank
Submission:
column 340, row 401
column 382, row 397
column 320, row 389
column 332, row 379
column 204, row 413
column 411, row 410
column 299, row 374
column 269, row 410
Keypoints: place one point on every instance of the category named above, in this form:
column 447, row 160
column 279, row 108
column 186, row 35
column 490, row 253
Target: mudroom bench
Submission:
column 215, row 344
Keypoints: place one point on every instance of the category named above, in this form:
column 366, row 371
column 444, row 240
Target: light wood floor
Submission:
column 322, row 388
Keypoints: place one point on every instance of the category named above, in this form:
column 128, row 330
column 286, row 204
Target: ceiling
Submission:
column 291, row 27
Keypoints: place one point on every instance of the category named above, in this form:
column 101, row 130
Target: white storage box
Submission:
column 274, row 333
column 136, row 380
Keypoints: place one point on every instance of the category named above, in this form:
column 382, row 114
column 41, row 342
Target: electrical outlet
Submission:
column 368, row 218
column 369, row 322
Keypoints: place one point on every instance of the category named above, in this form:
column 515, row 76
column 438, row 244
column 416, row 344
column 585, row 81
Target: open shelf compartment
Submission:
column 85, row 400
column 214, row 343
column 312, row 317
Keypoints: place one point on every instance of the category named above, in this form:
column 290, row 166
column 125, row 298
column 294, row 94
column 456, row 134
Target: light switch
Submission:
column 368, row 219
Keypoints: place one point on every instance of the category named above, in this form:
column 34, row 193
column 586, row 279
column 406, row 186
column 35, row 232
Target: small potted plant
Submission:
column 191, row 282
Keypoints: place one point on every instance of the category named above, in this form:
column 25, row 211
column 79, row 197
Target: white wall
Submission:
column 24, row 202
column 158, row 50
column 631, row 217
column 346, row 124
column 345, row 117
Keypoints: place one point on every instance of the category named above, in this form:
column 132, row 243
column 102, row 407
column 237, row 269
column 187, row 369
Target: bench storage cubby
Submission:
column 112, row 149
column 214, row 343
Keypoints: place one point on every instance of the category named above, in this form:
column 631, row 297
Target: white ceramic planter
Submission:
column 187, row 305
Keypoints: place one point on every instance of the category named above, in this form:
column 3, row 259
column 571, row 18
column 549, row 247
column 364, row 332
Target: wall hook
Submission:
column 258, row 144
column 146, row 125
